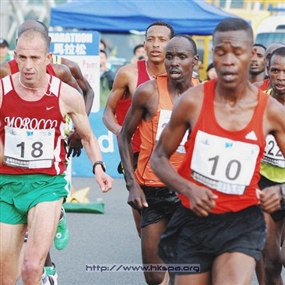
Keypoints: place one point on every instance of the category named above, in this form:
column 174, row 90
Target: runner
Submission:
column 221, row 224
column 150, row 111
column 128, row 78
column 32, row 83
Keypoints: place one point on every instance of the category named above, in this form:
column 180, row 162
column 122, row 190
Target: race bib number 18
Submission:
column 28, row 148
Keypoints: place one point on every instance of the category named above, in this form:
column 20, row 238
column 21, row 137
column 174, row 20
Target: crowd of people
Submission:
column 203, row 162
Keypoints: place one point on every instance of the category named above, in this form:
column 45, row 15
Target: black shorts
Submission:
column 197, row 241
column 162, row 203
column 279, row 214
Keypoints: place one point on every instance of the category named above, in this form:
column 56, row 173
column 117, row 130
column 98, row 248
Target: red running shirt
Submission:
column 226, row 162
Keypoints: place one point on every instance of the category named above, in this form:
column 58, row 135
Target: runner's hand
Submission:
column 270, row 198
column 137, row 198
column 74, row 144
column 202, row 200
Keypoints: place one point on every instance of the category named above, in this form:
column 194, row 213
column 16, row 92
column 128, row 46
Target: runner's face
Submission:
column 32, row 58
column 232, row 53
column 277, row 74
column 257, row 65
column 179, row 59
column 269, row 51
column 155, row 43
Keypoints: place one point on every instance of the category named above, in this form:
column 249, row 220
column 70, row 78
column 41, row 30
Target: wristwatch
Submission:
column 282, row 188
column 102, row 165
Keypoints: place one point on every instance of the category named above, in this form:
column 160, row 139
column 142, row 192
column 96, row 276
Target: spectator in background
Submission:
column 211, row 72
column 106, row 78
column 139, row 53
column 102, row 45
column 257, row 65
column 4, row 50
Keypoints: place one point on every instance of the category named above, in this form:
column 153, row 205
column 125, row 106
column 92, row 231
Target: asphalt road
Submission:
column 99, row 241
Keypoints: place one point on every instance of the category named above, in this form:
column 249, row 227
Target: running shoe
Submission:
column 51, row 271
column 61, row 238
column 52, row 280
column 49, row 280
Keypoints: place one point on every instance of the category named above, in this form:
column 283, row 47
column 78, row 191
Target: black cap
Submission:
column 3, row 42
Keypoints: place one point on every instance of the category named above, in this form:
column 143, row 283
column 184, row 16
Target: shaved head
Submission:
column 32, row 24
column 270, row 49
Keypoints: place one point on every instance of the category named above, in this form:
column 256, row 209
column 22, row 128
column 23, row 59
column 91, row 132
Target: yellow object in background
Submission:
column 79, row 196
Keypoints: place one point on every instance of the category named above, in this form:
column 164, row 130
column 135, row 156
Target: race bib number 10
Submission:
column 28, row 148
column 223, row 164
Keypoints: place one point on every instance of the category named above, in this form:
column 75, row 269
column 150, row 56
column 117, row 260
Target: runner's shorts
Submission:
column 193, row 240
column 162, row 203
column 279, row 214
column 20, row 193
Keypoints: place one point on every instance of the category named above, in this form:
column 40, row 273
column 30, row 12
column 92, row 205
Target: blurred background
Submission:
column 262, row 15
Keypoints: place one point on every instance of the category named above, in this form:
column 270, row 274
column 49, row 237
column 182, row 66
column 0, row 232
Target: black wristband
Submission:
column 102, row 165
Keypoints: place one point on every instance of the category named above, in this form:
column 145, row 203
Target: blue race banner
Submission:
column 81, row 165
column 83, row 48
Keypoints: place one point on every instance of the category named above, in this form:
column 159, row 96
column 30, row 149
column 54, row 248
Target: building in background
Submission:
column 271, row 30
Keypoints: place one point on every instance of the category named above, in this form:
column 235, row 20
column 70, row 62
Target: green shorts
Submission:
column 20, row 193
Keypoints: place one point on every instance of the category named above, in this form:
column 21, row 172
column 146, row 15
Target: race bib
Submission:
column 272, row 153
column 164, row 118
column 223, row 164
column 28, row 148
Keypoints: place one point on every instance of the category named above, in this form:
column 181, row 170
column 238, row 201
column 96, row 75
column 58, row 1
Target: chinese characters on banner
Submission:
column 83, row 48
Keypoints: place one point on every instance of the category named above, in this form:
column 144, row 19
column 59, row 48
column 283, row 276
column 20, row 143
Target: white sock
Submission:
column 45, row 279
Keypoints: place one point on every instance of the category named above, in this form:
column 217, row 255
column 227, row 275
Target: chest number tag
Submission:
column 272, row 153
column 164, row 118
column 28, row 148
column 223, row 164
